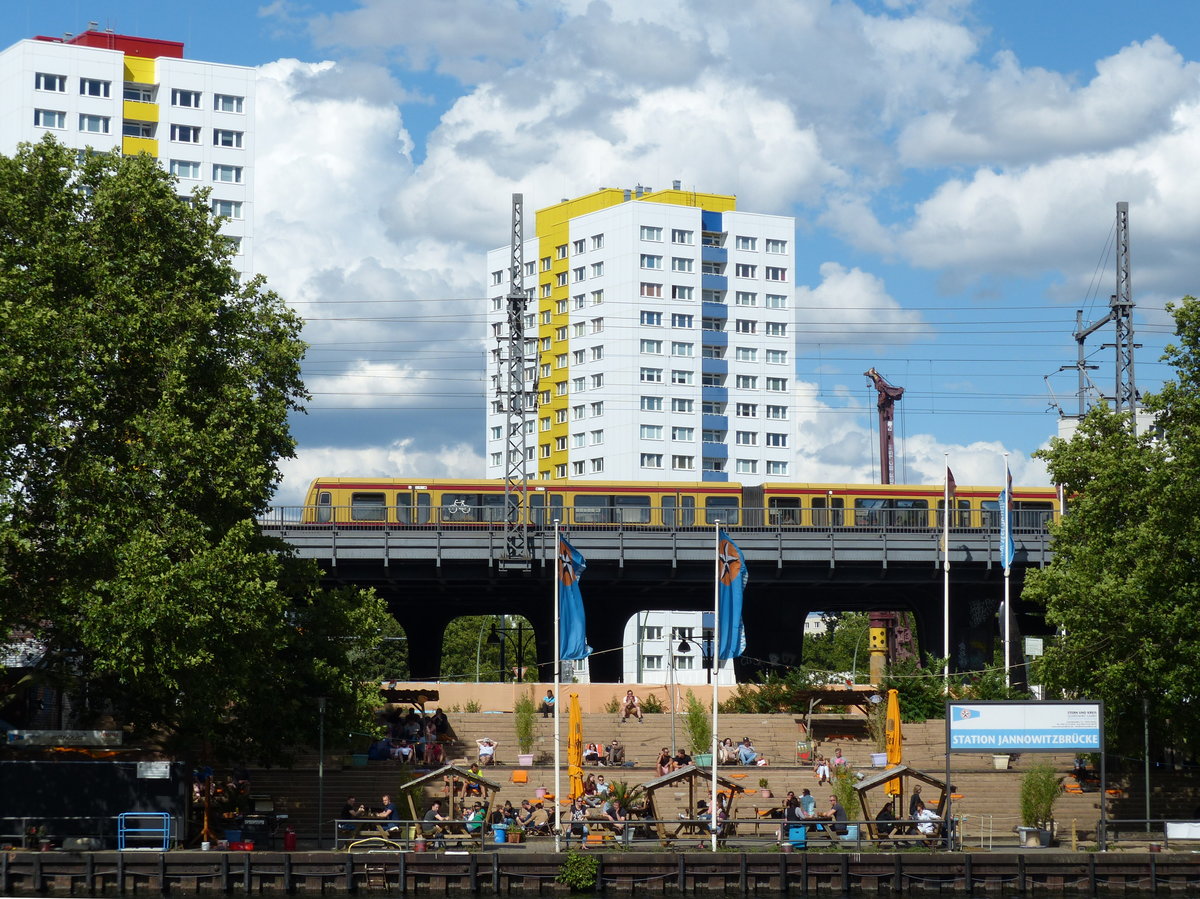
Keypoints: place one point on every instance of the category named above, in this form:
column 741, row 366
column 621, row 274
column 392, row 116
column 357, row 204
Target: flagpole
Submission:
column 946, row 576
column 557, row 698
column 1007, row 571
column 712, row 809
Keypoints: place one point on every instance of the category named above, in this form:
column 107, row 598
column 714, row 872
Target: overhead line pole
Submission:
column 516, row 478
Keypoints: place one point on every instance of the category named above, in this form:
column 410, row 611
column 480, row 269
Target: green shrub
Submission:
column 578, row 871
column 652, row 705
column 1040, row 788
column 613, row 706
column 524, row 720
column 472, row 706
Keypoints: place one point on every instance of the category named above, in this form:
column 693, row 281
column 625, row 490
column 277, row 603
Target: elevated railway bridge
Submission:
column 432, row 574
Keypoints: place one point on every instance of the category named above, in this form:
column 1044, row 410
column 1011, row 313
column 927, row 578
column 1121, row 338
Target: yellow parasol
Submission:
column 575, row 747
column 894, row 747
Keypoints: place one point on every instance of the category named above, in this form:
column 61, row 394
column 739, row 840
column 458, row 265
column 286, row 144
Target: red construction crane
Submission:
column 886, row 406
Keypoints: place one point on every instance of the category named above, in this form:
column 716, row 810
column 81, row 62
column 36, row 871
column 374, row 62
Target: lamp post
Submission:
column 684, row 646
column 320, row 771
column 499, row 637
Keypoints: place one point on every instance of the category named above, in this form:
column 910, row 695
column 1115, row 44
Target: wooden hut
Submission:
column 449, row 784
column 870, row 788
column 674, row 796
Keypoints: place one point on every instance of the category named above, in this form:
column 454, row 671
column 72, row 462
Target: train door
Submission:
column 753, row 501
column 785, row 511
column 404, row 507
column 828, row 511
column 678, row 511
column 324, row 507
column 960, row 514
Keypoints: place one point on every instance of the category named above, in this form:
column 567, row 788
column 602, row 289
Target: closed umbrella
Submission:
column 894, row 747
column 574, row 747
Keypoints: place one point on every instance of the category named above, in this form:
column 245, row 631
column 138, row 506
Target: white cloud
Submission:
column 853, row 306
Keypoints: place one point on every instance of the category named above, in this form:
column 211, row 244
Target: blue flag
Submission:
column 732, row 575
column 572, row 626
column 1007, row 548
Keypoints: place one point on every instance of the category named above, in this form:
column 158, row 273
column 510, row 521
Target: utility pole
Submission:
column 516, row 533
column 886, row 404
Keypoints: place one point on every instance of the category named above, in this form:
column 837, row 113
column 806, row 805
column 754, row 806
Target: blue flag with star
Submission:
column 572, row 625
column 732, row 575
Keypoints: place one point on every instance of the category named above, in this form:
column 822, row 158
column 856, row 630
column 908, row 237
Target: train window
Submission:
column 687, row 511
column 324, row 507
column 632, row 509
column 457, row 508
column 911, row 513
column 870, row 513
column 721, row 508
column 404, row 507
column 591, row 509
column 961, row 517
column 784, row 510
column 556, row 508
column 423, row 505
column 990, row 510
column 821, row 507
column 668, row 511
column 368, row 507
column 537, row 509
column 1032, row 516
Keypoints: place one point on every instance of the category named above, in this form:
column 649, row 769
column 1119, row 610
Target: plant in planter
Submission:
column 764, row 787
column 1040, row 788
column 698, row 724
column 524, row 721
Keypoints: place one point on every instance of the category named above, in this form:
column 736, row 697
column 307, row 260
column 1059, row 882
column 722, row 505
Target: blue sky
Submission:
column 953, row 168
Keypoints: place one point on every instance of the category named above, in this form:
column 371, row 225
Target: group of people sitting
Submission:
column 802, row 810
column 612, row 755
column 826, row 769
column 413, row 737
column 743, row 753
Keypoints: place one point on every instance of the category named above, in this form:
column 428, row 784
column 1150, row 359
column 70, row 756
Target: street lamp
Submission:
column 499, row 637
column 320, row 771
column 684, row 646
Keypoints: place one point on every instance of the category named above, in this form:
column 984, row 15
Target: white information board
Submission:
column 1024, row 726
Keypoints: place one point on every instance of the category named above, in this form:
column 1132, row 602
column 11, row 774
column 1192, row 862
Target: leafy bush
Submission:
column 472, row 706
column 843, row 789
column 1040, row 788
column 613, row 706
column 652, row 705
column 698, row 724
column 579, row 872
column 524, row 720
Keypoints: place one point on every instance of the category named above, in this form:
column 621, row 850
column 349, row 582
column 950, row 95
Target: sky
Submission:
column 953, row 168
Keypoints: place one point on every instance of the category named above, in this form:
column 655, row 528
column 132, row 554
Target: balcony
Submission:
column 710, row 422
column 714, row 282
column 133, row 146
column 716, row 451
column 710, row 221
column 714, row 366
column 714, row 395
column 140, row 112
column 714, row 476
column 714, row 254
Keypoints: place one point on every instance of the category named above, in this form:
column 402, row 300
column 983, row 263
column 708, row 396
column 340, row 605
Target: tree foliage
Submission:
column 143, row 410
column 1124, row 585
column 467, row 654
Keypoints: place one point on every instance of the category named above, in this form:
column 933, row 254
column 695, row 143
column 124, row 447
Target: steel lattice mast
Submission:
column 516, row 534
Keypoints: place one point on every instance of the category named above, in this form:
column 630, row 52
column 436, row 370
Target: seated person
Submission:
column 539, row 821
column 578, row 827
column 703, row 814
column 473, row 788
column 728, row 753
column 431, row 826
column 380, row 750
column 681, row 759
column 389, row 815
column 927, row 824
column 808, row 803
column 441, row 725
column 591, row 754
column 508, row 813
column 616, row 814
column 883, row 821
column 434, row 753
column 839, row 764
column 487, row 751
column 837, row 815
column 664, row 764
column 547, row 706
column 589, row 789
column 474, row 818
column 403, row 752
column 601, row 787
column 746, row 753
column 631, row 705
column 524, row 815
column 616, row 754
column 821, row 769
column 352, row 809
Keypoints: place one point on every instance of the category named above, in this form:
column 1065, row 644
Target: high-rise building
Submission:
column 659, row 340
column 112, row 91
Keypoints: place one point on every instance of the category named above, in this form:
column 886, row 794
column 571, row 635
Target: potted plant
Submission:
column 763, row 785
column 524, row 721
column 1040, row 788
column 877, row 730
column 1001, row 762
column 516, row 834
column 698, row 724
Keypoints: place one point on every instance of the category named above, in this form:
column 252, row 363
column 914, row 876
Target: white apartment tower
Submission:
column 660, row 338
column 111, row 91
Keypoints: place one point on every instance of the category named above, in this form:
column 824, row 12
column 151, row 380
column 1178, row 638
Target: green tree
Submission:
column 144, row 399
column 1124, row 586
column 467, row 654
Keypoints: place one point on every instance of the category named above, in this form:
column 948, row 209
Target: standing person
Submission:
column 840, row 764
column 631, row 705
column 547, row 706
column 913, row 801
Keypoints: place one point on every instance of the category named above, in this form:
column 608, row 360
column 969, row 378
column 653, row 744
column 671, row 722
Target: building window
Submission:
column 137, row 129
column 560, row 251
column 742, row 270
column 495, row 459
column 746, row 382
column 682, row 405
column 185, row 168
column 780, row 468
column 746, row 438
column 652, row 663
column 597, row 465
column 774, row 245
column 776, row 301
column 777, row 357
column 578, row 246
column 546, row 291
column 232, row 174
column 560, row 444
column 577, row 330
column 712, row 268
column 775, row 273
column 745, row 243
column 94, row 87
column 747, row 410
column 683, row 433
column 560, row 307
column 596, row 437
column 712, row 324
column 496, row 432
column 713, row 296
column 777, row 412
column 546, row 263
column 187, row 99
column 651, row 404
column 44, row 81
column 530, row 269
column 94, row 124
column 651, row 375
column 652, row 460
column 775, row 329
column 560, row 280
column 680, row 292
column 577, row 412
column 650, row 432
column 230, row 209
column 560, row 389
column 578, row 301
column 560, row 470
column 746, row 326
column 597, row 380
column 227, row 103
column 745, row 298
column 712, row 379
column 597, row 269
column 597, row 353
column 185, row 134
column 679, row 348
column 578, row 274
column 683, row 463
column 650, row 261
column 680, row 376
column 682, row 264
column 597, row 325
column 678, row 235
column 712, row 407
column 597, row 408
column 651, row 346
column 777, row 384
column 545, row 423
column 713, row 436
column 49, row 118
column 709, row 351
column 597, row 297
column 747, row 466
column 578, row 440
column 651, row 290
column 651, row 233
column 223, row 137
column 651, row 319
column 745, row 354
column 681, row 320
column 776, row 439
column 577, row 467
column 597, row 241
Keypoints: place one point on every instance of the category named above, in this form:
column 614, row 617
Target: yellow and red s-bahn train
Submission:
column 475, row 502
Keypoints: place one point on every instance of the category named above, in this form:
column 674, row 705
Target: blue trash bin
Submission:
column 500, row 833
column 798, row 837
